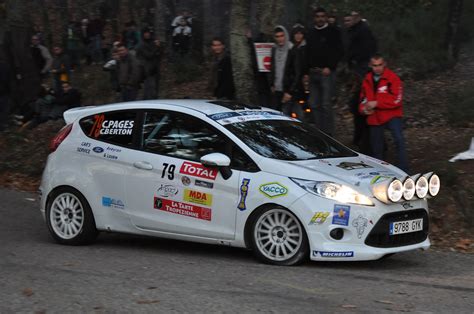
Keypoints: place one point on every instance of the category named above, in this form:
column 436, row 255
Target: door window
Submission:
column 186, row 137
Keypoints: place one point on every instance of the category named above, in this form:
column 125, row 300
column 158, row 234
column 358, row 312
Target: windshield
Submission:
column 287, row 140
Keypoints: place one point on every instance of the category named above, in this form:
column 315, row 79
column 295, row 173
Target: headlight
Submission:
column 434, row 184
column 395, row 190
column 421, row 187
column 334, row 191
column 409, row 189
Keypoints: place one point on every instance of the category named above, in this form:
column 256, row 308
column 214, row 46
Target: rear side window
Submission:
column 112, row 127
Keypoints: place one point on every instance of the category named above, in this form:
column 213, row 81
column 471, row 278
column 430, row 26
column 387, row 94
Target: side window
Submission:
column 186, row 137
column 114, row 127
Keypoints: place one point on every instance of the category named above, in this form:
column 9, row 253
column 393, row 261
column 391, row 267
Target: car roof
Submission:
column 204, row 106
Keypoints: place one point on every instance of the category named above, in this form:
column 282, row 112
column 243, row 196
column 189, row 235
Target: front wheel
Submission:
column 69, row 217
column 279, row 238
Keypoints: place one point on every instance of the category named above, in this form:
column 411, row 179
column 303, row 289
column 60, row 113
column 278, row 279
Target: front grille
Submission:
column 380, row 234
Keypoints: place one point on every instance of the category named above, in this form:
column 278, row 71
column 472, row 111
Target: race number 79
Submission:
column 168, row 170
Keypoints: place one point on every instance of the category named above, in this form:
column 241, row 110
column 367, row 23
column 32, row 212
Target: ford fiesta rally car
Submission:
column 231, row 174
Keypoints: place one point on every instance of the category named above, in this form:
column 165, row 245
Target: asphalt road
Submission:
column 125, row 273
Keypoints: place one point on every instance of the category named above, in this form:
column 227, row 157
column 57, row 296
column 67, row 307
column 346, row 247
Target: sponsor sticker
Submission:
column 83, row 150
column 407, row 205
column 203, row 184
column 197, row 197
column 167, row 190
column 341, row 215
column 319, row 218
column 186, row 180
column 353, row 165
column 360, row 223
column 110, row 127
column 112, row 202
column 223, row 115
column 333, row 254
column 183, row 209
column 198, row 170
column 379, row 178
column 113, row 149
column 244, row 188
column 98, row 149
column 110, row 156
column 273, row 189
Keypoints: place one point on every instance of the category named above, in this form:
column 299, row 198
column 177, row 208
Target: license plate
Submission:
column 406, row 226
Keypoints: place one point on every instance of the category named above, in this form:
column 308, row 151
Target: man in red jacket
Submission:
column 381, row 102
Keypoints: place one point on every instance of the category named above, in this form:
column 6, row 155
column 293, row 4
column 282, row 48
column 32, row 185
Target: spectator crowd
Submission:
column 305, row 64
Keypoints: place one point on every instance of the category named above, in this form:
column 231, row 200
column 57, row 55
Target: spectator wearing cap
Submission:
column 149, row 54
column 292, row 81
column 324, row 46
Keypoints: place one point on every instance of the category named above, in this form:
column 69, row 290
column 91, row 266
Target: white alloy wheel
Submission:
column 279, row 237
column 67, row 216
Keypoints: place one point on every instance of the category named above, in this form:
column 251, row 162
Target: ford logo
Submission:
column 98, row 149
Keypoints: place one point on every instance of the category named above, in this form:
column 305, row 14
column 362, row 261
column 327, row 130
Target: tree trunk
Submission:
column 240, row 51
column 270, row 13
column 18, row 54
column 454, row 20
column 160, row 20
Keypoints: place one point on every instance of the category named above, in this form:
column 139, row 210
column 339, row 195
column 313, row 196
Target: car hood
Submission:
column 359, row 172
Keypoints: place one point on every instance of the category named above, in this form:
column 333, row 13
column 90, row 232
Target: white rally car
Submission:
column 231, row 174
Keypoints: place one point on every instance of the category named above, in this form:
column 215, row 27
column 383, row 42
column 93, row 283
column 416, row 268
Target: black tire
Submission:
column 281, row 231
column 69, row 217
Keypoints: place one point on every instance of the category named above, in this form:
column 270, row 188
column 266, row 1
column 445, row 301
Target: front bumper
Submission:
column 365, row 229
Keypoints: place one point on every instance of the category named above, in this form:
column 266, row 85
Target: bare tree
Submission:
column 240, row 51
column 454, row 20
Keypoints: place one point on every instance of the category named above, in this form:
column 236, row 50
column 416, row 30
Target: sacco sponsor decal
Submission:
column 273, row 189
column 198, row 170
column 182, row 209
column 197, row 197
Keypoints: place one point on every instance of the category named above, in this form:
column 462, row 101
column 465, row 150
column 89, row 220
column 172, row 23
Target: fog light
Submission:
column 434, row 185
column 337, row 233
column 421, row 187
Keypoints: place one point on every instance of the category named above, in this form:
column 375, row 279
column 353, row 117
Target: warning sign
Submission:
column 263, row 53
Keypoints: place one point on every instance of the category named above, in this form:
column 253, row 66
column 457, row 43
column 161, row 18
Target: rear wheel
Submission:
column 69, row 217
column 279, row 238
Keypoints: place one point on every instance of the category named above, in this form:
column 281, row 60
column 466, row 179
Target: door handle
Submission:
column 143, row 165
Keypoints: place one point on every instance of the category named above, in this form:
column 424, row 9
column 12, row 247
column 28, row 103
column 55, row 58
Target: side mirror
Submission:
column 218, row 160
column 215, row 160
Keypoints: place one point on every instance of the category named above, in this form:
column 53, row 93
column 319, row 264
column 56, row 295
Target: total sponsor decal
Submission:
column 319, row 218
column 198, row 170
column 333, row 254
column 360, row 223
column 341, row 215
column 203, row 184
column 182, row 209
column 244, row 188
column 167, row 190
column 273, row 189
column 197, row 197
column 110, row 127
column 112, row 202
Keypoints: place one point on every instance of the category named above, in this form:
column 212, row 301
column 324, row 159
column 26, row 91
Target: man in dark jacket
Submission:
column 361, row 46
column 129, row 74
column 221, row 81
column 61, row 69
column 149, row 54
column 293, row 79
column 324, row 46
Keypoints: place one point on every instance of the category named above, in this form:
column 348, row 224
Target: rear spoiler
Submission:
column 73, row 114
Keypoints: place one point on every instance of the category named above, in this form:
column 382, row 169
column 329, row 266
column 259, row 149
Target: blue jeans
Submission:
column 377, row 141
column 320, row 101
